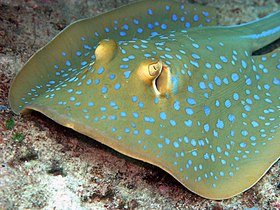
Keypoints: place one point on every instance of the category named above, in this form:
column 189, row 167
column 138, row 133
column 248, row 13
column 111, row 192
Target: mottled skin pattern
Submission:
column 191, row 100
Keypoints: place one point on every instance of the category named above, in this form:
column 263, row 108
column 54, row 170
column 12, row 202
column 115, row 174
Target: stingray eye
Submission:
column 155, row 69
column 156, row 74
column 149, row 70
column 106, row 50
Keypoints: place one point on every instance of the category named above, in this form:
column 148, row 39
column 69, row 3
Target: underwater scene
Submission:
column 152, row 104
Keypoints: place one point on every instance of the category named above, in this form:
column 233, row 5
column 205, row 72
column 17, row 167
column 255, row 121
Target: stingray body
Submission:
column 150, row 82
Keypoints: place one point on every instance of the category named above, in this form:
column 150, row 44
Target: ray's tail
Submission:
column 260, row 32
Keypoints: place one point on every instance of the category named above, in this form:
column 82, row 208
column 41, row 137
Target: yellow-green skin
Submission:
column 146, row 81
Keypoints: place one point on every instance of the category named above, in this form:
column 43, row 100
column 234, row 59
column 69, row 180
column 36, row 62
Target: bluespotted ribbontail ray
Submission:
column 150, row 82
